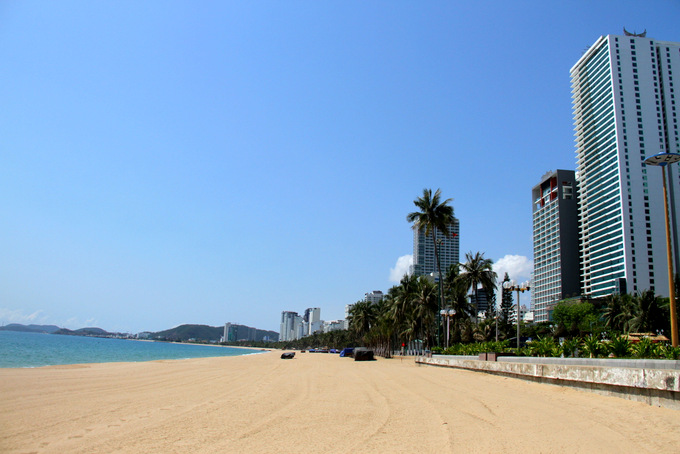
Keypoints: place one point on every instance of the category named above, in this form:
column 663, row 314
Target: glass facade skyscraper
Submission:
column 625, row 110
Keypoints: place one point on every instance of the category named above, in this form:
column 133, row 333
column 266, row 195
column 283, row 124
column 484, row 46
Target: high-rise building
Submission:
column 480, row 300
column 424, row 261
column 555, row 226
column 291, row 324
column 312, row 320
column 625, row 110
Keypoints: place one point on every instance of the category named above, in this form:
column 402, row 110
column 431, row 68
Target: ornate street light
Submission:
column 511, row 285
column 662, row 160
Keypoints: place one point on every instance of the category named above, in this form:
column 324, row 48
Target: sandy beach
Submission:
column 312, row 403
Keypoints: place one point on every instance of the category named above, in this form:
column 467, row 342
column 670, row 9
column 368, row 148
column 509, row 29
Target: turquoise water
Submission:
column 35, row 350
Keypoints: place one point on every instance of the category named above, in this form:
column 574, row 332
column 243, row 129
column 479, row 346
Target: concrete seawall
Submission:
column 655, row 382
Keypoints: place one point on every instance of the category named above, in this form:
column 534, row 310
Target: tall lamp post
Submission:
column 441, row 297
column 448, row 315
column 662, row 160
column 519, row 288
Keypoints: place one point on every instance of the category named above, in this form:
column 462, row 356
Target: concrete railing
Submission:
column 656, row 382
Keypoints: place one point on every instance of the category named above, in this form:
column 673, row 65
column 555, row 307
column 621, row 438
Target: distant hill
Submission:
column 83, row 332
column 204, row 333
column 30, row 328
column 186, row 332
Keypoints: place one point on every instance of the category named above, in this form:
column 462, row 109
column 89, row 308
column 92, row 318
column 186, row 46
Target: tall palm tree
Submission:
column 433, row 215
column 401, row 298
column 425, row 307
column 477, row 271
column 455, row 297
column 362, row 316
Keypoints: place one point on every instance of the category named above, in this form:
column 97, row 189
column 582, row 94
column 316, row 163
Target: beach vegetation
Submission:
column 570, row 347
column 592, row 346
column 476, row 272
column 619, row 347
column 545, row 347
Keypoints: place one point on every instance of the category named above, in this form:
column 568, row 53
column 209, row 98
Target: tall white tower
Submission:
column 625, row 110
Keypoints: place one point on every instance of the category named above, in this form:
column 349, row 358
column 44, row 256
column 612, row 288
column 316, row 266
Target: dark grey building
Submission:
column 556, row 241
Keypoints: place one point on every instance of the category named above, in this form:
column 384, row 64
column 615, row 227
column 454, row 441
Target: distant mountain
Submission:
column 186, row 332
column 30, row 328
column 83, row 332
column 204, row 333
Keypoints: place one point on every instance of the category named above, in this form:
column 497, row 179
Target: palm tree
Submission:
column 401, row 298
column 433, row 215
column 617, row 312
column 649, row 313
column 477, row 271
column 455, row 297
column 425, row 307
column 362, row 316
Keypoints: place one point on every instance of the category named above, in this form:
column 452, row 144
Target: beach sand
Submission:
column 317, row 403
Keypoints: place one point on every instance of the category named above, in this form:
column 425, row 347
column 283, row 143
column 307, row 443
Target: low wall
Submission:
column 655, row 382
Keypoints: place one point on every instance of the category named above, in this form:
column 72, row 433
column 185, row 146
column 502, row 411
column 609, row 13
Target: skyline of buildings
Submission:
column 624, row 111
column 599, row 229
column 295, row 326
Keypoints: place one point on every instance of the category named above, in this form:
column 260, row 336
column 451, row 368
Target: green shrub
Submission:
column 619, row 346
column 669, row 352
column 545, row 346
column 645, row 349
column 592, row 346
column 570, row 346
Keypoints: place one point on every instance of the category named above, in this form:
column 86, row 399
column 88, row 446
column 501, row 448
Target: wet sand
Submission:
column 317, row 403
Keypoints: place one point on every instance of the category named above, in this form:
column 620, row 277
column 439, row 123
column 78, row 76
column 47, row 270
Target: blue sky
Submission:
column 169, row 162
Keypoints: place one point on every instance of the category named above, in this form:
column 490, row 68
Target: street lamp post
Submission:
column 662, row 160
column 441, row 298
column 511, row 285
column 448, row 315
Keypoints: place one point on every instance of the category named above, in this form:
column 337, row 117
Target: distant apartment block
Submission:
column 424, row 261
column 333, row 325
column 556, row 241
column 625, row 110
column 374, row 297
column 523, row 313
column 312, row 321
column 291, row 324
column 348, row 307
column 480, row 300
column 294, row 326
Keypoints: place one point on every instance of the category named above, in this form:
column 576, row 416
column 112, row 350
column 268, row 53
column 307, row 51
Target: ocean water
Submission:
column 35, row 350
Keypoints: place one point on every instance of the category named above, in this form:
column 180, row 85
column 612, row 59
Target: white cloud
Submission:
column 401, row 268
column 40, row 317
column 18, row 316
column 518, row 267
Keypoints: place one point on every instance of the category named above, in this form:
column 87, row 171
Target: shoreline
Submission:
column 38, row 351
column 317, row 403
